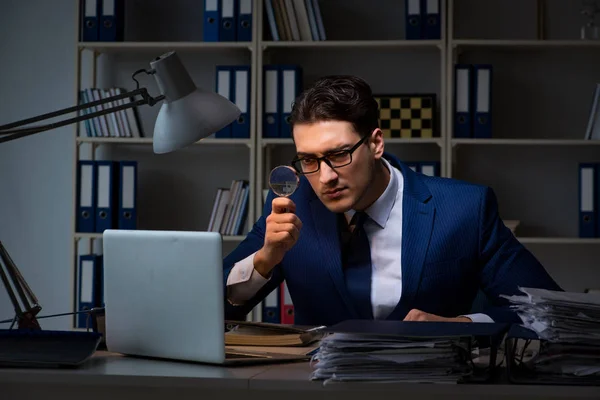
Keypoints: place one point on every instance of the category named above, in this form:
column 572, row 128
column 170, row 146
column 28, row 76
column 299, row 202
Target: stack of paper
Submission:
column 568, row 324
column 380, row 358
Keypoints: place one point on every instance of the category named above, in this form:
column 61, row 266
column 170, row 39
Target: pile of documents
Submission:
column 568, row 326
column 385, row 358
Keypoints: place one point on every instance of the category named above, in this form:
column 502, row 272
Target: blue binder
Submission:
column 241, row 97
column 211, row 21
column 271, row 101
column 127, row 195
column 482, row 102
column 106, row 195
column 588, row 199
column 244, row 21
column 271, row 307
column 290, row 82
column 228, row 26
column 87, row 288
column 413, row 23
column 224, row 87
column 112, row 21
column 431, row 21
column 89, row 10
column 86, row 196
column 429, row 168
column 463, row 82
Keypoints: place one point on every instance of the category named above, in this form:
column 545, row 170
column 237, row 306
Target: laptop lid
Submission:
column 163, row 293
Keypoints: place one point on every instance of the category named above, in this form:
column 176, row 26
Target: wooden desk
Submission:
column 115, row 377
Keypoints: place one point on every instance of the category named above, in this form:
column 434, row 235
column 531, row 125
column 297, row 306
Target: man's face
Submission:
column 341, row 188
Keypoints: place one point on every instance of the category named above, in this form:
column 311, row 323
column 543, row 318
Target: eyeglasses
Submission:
column 337, row 159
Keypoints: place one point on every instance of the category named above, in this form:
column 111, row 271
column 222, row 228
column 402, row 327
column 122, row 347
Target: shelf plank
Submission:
column 163, row 46
column 558, row 240
column 355, row 44
column 524, row 43
column 438, row 141
column 88, row 236
column 527, row 142
column 149, row 141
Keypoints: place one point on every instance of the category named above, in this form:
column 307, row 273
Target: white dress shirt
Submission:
column 386, row 279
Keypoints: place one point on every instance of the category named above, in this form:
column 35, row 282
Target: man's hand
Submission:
column 282, row 232
column 418, row 315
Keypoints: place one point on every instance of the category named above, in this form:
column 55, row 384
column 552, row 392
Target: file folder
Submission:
column 86, row 288
column 287, row 307
column 430, row 168
column 462, row 101
column 241, row 97
column 227, row 27
column 482, row 114
column 413, row 26
column 518, row 338
column 431, row 19
column 588, row 200
column 244, row 21
column 89, row 10
column 225, row 89
column 106, row 198
column 86, row 196
column 271, row 307
column 211, row 21
column 480, row 334
column 271, row 101
column 112, row 21
column 127, row 195
column 291, row 85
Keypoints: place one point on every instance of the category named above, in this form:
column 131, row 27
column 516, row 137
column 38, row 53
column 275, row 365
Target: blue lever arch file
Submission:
column 86, row 196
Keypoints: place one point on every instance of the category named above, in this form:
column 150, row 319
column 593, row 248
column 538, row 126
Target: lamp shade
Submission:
column 188, row 114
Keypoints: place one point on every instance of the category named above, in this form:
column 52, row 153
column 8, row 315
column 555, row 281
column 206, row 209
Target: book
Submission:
column 247, row 333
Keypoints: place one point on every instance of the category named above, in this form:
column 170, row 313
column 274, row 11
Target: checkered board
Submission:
column 407, row 116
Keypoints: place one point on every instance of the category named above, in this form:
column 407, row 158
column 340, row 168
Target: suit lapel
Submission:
column 417, row 225
column 327, row 234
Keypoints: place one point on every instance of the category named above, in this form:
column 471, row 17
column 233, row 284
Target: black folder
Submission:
column 481, row 335
column 519, row 372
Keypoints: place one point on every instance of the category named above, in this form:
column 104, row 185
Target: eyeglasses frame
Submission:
column 324, row 158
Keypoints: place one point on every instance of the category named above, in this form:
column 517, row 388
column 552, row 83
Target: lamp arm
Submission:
column 25, row 315
column 11, row 134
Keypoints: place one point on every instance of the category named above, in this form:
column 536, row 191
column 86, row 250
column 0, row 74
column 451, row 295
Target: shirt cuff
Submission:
column 479, row 317
column 244, row 281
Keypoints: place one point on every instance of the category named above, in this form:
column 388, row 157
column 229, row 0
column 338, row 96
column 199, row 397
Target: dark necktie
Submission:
column 356, row 262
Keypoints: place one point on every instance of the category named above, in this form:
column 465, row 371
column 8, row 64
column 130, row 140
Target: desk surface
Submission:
column 113, row 370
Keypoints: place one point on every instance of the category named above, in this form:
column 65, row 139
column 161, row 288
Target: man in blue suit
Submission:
column 418, row 247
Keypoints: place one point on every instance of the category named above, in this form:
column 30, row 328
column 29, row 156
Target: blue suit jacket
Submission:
column 454, row 246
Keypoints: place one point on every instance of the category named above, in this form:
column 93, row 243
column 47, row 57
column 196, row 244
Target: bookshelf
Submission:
column 529, row 162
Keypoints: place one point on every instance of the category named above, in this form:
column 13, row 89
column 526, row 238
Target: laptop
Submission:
column 164, row 297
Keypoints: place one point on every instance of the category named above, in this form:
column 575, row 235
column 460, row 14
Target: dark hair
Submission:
column 338, row 98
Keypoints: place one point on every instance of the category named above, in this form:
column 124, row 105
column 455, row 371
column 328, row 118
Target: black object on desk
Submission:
column 35, row 348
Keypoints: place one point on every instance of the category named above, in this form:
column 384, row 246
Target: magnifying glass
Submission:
column 283, row 180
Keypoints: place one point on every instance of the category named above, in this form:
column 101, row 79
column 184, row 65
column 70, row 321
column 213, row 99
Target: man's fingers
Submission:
column 283, row 205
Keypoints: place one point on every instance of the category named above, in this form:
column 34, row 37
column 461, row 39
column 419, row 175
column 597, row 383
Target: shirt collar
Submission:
column 380, row 210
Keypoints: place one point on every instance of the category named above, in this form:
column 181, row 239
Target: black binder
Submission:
column 519, row 372
column 479, row 335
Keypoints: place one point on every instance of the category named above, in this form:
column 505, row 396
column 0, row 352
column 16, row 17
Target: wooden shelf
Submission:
column 527, row 142
column 163, row 46
column 569, row 44
column 88, row 236
column 286, row 141
column 408, row 44
column 558, row 240
column 148, row 141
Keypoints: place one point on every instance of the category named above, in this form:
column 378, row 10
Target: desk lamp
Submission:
column 188, row 114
